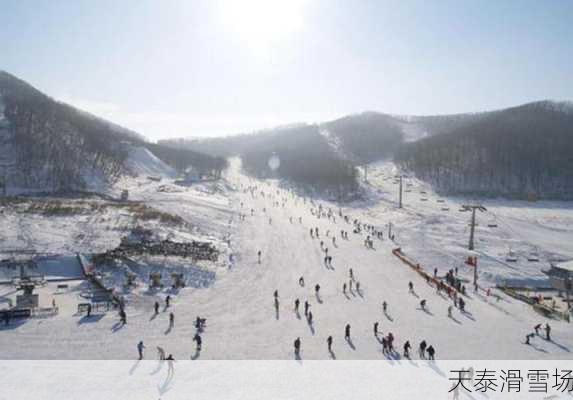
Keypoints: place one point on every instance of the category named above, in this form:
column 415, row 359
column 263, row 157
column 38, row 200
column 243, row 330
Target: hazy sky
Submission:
column 201, row 68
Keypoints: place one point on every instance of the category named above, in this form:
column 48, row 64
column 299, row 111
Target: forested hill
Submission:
column 524, row 152
column 51, row 146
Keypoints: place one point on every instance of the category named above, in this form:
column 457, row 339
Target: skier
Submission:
column 161, row 353
column 309, row 318
column 423, row 304
column 450, row 308
column 167, row 301
column 276, row 294
column 344, row 288
column 537, row 328
column 410, row 287
column 140, row 347
column 407, row 348
column 347, row 332
column 528, row 337
column 171, row 320
column 156, row 307
column 431, row 353
column 296, row 304
column 547, row 332
column 301, row 281
column 306, row 307
column 329, row 343
column 317, row 288
column 259, row 254
column 351, row 274
column 422, row 349
column 357, row 287
column 376, row 328
column 123, row 316
column 384, row 306
column 384, row 345
column 297, row 346
column 199, row 341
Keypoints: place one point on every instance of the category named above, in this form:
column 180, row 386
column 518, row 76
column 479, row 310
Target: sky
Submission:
column 216, row 67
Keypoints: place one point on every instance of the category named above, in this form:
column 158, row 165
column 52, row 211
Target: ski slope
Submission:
column 238, row 304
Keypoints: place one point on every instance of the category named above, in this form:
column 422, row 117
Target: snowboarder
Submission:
column 140, row 347
column 347, row 332
column 422, row 349
column 431, row 353
column 407, row 348
column 329, row 344
column 297, row 346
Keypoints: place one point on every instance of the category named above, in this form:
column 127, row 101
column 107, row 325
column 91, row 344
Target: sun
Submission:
column 262, row 23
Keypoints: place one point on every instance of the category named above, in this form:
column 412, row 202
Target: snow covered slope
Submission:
column 241, row 320
column 141, row 161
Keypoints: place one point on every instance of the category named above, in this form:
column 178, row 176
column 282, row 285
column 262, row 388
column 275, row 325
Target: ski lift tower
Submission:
column 473, row 208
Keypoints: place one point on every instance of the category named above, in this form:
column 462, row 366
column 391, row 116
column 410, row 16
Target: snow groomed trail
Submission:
column 242, row 322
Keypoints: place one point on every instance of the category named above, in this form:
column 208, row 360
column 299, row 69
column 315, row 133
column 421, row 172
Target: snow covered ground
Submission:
column 238, row 302
column 432, row 229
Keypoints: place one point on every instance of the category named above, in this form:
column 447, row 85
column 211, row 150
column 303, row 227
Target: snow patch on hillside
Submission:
column 412, row 131
column 141, row 161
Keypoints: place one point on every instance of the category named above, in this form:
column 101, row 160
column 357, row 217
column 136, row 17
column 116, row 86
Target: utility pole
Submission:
column 473, row 209
column 400, row 203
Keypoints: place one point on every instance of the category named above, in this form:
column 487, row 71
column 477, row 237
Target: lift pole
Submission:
column 400, row 201
column 473, row 208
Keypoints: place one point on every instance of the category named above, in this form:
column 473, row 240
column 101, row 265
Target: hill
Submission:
column 51, row 146
column 524, row 151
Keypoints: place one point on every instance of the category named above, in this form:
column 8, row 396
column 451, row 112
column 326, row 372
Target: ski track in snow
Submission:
column 241, row 319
